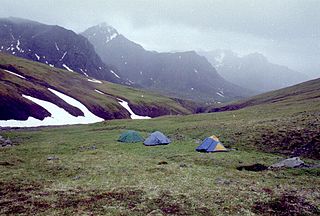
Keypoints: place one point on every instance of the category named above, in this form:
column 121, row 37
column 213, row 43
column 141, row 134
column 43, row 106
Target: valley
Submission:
column 95, row 174
column 102, row 120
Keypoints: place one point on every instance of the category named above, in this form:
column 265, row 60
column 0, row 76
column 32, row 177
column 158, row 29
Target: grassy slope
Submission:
column 77, row 86
column 300, row 93
column 121, row 179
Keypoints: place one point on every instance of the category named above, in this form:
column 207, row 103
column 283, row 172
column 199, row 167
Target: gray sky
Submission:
column 286, row 31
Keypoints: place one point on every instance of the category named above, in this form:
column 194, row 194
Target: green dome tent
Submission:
column 130, row 136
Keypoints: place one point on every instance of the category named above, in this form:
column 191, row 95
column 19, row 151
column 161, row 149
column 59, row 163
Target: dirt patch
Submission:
column 254, row 168
column 6, row 163
column 286, row 205
column 32, row 198
column 16, row 198
column 162, row 163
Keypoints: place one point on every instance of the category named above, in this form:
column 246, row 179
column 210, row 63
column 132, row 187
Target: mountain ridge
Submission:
column 54, row 46
column 253, row 71
column 183, row 74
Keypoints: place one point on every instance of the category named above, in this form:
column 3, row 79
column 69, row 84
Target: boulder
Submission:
column 289, row 163
column 5, row 142
column 52, row 158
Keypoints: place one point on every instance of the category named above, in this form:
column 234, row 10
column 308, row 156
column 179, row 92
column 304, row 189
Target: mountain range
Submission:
column 183, row 74
column 102, row 53
column 253, row 71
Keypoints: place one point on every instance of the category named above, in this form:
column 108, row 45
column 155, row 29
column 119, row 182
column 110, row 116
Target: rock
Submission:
column 86, row 148
column 5, row 142
column 156, row 212
column 183, row 165
column 222, row 181
column 289, row 163
column 76, row 178
column 52, row 158
column 8, row 142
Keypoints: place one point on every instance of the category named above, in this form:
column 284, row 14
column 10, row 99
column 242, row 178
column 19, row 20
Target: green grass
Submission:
column 132, row 179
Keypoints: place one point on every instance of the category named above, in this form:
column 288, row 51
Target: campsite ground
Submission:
column 89, row 172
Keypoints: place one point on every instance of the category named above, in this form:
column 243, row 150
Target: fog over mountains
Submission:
column 286, row 32
column 103, row 53
column 182, row 74
column 253, row 71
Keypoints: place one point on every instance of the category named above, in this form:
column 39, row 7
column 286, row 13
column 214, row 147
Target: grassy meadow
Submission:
column 92, row 174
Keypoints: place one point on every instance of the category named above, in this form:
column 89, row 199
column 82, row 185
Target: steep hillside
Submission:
column 182, row 74
column 54, row 46
column 23, row 77
column 253, row 71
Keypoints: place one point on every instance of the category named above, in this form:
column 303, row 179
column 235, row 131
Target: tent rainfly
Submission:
column 211, row 144
column 157, row 138
column 130, row 136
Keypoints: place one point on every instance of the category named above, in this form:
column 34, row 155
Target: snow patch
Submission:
column 13, row 73
column 125, row 105
column 18, row 46
column 66, row 67
column 115, row 74
column 84, row 73
column 96, row 90
column 218, row 93
column 56, row 45
column 38, row 57
column 94, row 81
column 58, row 115
column 64, row 54
column 111, row 37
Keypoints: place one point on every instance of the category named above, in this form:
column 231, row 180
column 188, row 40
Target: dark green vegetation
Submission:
column 89, row 172
column 40, row 77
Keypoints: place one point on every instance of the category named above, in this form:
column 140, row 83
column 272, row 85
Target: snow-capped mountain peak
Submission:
column 102, row 31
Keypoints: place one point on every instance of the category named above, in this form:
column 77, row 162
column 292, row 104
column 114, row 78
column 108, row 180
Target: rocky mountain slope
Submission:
column 253, row 71
column 182, row 74
column 54, row 46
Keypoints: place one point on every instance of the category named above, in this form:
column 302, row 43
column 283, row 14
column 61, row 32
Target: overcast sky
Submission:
column 286, row 31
